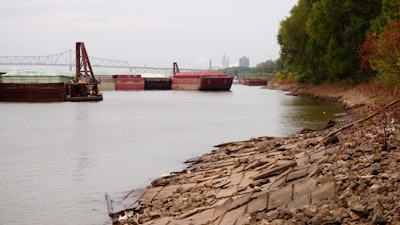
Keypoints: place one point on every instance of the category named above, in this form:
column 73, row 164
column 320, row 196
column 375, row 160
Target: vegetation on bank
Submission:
column 341, row 40
column 328, row 41
column 264, row 69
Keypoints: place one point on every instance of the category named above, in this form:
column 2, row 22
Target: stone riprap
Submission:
column 330, row 176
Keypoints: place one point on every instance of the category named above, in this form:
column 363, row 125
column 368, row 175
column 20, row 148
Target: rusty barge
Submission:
column 137, row 82
column 33, row 85
column 254, row 81
column 200, row 80
column 32, row 92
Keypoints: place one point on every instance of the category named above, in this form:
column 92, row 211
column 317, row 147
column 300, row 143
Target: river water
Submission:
column 58, row 159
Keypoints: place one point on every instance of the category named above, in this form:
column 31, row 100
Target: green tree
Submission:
column 267, row 67
column 390, row 13
column 294, row 40
column 322, row 37
column 338, row 27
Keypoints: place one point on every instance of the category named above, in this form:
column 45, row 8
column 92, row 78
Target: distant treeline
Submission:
column 267, row 68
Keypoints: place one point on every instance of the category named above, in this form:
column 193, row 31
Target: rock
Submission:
column 160, row 182
column 272, row 215
column 331, row 140
column 378, row 219
column 358, row 208
column 377, row 158
column 366, row 181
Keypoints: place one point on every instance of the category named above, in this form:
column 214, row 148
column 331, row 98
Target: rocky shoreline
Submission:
column 343, row 174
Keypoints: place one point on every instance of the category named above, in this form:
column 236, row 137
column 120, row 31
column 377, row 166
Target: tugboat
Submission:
column 84, row 87
column 200, row 80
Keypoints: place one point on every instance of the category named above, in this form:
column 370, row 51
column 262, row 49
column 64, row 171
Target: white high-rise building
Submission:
column 224, row 63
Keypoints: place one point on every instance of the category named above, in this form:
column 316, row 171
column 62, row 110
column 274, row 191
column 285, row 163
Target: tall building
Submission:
column 244, row 62
column 224, row 63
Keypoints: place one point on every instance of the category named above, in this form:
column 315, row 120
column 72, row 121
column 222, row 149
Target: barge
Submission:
column 200, row 80
column 33, row 85
column 254, row 81
column 128, row 82
column 32, row 92
column 156, row 81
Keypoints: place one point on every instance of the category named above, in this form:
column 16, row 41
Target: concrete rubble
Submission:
column 329, row 176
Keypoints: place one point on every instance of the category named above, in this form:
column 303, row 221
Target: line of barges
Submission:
column 41, row 85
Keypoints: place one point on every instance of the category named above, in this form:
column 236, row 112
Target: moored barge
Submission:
column 32, row 92
column 128, row 82
column 254, row 81
column 200, row 80
column 33, row 85
column 156, row 81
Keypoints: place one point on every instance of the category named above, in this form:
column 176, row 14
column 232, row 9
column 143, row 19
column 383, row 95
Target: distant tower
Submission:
column 210, row 67
column 244, row 62
column 224, row 64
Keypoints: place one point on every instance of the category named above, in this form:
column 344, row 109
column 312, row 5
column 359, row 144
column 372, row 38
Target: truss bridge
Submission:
column 67, row 58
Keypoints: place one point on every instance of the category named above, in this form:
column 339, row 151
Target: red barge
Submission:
column 200, row 80
column 32, row 92
column 254, row 81
column 128, row 82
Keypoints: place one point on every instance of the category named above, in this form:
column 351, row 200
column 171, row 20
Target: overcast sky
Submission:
column 146, row 32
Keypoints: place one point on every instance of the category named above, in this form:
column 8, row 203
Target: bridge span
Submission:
column 67, row 58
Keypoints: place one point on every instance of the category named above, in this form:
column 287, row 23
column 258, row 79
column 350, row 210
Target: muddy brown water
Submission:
column 58, row 159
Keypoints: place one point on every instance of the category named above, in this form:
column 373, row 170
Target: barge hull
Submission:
column 254, row 81
column 128, row 82
column 32, row 92
column 186, row 83
column 216, row 84
column 157, row 83
column 84, row 98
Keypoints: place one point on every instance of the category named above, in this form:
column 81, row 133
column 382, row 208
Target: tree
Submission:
column 267, row 67
column 323, row 37
column 338, row 27
column 381, row 53
column 293, row 38
column 390, row 13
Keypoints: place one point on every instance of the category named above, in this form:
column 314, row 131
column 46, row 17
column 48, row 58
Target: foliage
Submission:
column 285, row 76
column 268, row 66
column 322, row 37
column 302, row 77
column 380, row 54
column 390, row 13
column 294, row 39
column 367, row 51
column 263, row 69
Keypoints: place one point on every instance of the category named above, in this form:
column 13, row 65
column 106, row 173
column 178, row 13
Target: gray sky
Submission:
column 146, row 32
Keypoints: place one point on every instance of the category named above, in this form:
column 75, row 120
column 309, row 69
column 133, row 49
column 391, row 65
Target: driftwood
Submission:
column 360, row 120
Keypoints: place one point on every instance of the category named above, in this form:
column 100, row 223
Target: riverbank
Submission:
column 344, row 174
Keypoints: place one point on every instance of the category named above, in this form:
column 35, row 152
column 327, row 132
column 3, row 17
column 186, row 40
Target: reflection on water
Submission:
column 58, row 159
column 306, row 113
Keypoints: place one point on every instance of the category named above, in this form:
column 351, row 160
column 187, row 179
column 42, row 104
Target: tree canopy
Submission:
column 323, row 37
column 381, row 53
